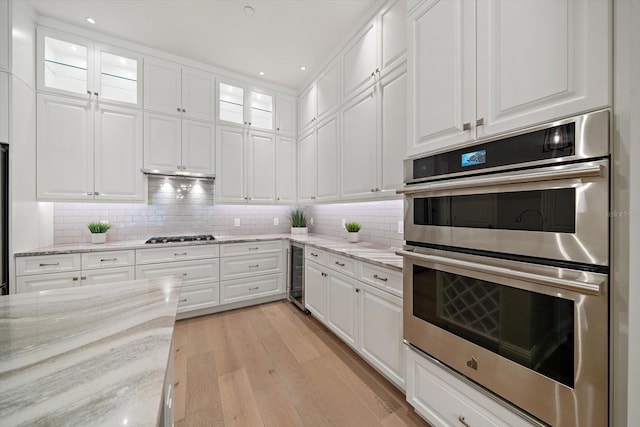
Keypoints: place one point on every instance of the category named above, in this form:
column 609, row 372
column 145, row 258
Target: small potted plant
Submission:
column 298, row 221
column 352, row 228
column 98, row 231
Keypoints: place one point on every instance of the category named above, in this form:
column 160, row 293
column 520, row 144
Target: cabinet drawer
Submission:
column 108, row 275
column 250, row 265
column 250, row 288
column 195, row 297
column 382, row 278
column 176, row 253
column 107, row 259
column 251, row 248
column 444, row 400
column 44, row 282
column 47, row 264
column 315, row 255
column 192, row 272
column 342, row 264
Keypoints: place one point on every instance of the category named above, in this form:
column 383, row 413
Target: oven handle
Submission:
column 571, row 285
column 549, row 174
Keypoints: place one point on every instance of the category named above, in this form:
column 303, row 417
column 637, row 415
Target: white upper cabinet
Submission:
column 327, row 164
column 243, row 105
column 5, row 35
column 75, row 66
column 286, row 109
column 393, row 34
column 198, row 147
column 328, row 90
column 393, row 133
column 4, row 106
column 261, row 167
column 230, row 154
column 307, row 166
column 564, row 70
column 307, row 108
column 482, row 68
column 286, row 170
column 178, row 90
column 360, row 60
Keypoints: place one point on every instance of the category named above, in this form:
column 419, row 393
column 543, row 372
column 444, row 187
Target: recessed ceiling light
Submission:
column 261, row 73
column 248, row 10
column 91, row 20
column 303, row 68
column 74, row 48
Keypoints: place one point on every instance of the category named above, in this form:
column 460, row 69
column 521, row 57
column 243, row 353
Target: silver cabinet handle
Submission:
column 83, row 278
column 96, row 193
column 89, row 93
column 462, row 420
column 184, row 274
column 182, row 254
column 75, row 279
column 480, row 121
column 341, row 264
column 466, row 126
column 323, row 274
column 254, row 289
column 108, row 259
column 89, row 193
column 178, row 109
column 373, row 190
column 184, row 111
column 384, row 279
column 357, row 290
column 47, row 264
column 312, row 254
column 254, row 249
column 254, row 266
column 96, row 94
column 183, row 300
column 179, row 167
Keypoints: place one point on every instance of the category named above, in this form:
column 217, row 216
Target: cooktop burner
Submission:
column 178, row 239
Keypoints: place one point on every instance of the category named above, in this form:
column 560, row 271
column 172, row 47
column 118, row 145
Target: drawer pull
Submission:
column 312, row 254
column 254, row 289
column 83, row 278
column 45, row 264
column 341, row 264
column 183, row 300
column 254, row 249
column 254, row 266
column 462, row 420
column 108, row 259
column 384, row 279
column 75, row 279
column 182, row 254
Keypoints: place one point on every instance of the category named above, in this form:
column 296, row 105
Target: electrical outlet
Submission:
column 276, row 221
column 400, row 227
column 311, row 221
column 236, row 222
column 344, row 222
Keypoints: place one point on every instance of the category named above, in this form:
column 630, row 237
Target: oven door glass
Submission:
column 532, row 329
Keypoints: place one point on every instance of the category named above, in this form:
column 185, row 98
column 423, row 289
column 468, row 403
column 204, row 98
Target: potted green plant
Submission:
column 98, row 231
column 352, row 228
column 298, row 221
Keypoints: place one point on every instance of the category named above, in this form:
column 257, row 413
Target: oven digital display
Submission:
column 474, row 158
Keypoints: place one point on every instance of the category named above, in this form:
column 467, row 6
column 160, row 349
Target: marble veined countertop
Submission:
column 94, row 355
column 365, row 251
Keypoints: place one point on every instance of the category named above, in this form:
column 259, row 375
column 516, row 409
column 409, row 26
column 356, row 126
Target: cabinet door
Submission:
column 285, row 170
column 441, row 71
column 381, row 333
column 342, row 310
column 44, row 282
column 329, row 90
column 327, row 160
column 563, row 70
column 118, row 77
column 161, row 86
column 307, row 166
column 230, row 165
column 393, row 34
column 198, row 94
column 260, row 109
column 393, row 133
column 108, row 275
column 261, row 167
column 315, row 290
column 197, row 297
column 285, row 114
column 118, row 154
column 360, row 61
column 4, row 35
column 359, row 146
column 65, row 148
column 4, row 107
column 162, row 146
column 198, row 147
column 231, row 103
column 307, row 104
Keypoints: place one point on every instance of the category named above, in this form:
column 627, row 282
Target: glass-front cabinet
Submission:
column 245, row 106
column 74, row 66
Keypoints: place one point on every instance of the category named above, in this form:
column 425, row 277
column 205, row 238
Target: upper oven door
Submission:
column 554, row 213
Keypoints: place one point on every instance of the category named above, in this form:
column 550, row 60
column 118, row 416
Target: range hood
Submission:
column 176, row 173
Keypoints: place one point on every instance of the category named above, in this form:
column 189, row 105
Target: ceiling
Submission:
column 279, row 38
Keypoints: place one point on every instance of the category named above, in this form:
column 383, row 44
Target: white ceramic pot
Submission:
column 98, row 237
column 352, row 237
column 299, row 230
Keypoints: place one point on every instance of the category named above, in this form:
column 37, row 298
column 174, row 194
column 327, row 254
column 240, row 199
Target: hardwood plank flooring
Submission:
column 272, row 365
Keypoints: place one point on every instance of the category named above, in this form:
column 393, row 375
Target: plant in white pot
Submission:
column 298, row 221
column 352, row 228
column 99, row 231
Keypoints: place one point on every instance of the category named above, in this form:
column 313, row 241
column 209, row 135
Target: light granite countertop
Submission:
column 94, row 355
column 364, row 251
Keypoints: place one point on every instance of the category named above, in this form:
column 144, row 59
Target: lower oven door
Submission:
column 535, row 335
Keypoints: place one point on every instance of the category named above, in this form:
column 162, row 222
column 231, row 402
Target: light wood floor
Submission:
column 272, row 365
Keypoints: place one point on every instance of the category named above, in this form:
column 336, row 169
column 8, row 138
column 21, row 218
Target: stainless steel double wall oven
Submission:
column 506, row 266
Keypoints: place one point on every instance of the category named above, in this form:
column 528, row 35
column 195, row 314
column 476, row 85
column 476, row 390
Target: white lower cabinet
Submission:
column 343, row 307
column 315, row 289
column 249, row 288
column 195, row 297
column 45, row 282
column 445, row 400
column 108, row 275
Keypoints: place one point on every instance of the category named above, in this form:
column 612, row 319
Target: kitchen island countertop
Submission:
column 94, row 355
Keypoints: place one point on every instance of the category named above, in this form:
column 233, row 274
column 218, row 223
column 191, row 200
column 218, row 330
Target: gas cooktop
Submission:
column 179, row 239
